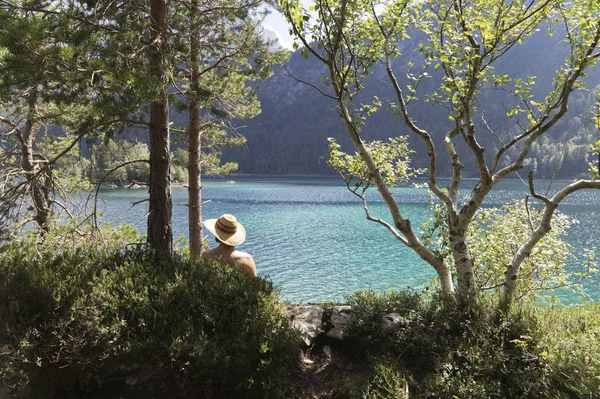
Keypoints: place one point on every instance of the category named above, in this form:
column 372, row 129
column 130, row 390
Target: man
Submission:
column 229, row 233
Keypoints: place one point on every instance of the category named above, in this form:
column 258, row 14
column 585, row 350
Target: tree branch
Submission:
column 99, row 185
column 513, row 269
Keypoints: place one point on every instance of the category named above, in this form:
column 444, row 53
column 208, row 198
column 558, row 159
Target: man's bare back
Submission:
column 227, row 255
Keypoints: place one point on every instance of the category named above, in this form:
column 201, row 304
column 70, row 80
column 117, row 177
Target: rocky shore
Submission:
column 316, row 323
column 328, row 357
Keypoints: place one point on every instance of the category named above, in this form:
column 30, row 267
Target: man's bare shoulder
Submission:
column 241, row 255
column 244, row 260
column 208, row 254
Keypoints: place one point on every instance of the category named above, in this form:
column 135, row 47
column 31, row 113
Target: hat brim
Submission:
column 234, row 239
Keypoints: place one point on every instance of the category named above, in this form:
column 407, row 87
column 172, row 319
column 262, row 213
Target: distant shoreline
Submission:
column 336, row 177
column 232, row 179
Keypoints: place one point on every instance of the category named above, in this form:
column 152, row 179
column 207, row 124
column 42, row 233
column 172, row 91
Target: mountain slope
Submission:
column 290, row 135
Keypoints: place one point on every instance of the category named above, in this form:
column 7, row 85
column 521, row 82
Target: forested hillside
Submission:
column 290, row 135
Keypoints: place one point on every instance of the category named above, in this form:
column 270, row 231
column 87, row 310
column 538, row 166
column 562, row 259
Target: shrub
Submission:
column 382, row 382
column 127, row 324
column 491, row 355
column 368, row 308
column 447, row 351
column 387, row 383
column 570, row 344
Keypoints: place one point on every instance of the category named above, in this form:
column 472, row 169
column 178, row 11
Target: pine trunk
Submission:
column 160, row 230
column 194, row 149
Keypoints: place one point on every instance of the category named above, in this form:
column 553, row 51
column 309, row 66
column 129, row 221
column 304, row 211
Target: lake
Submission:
column 309, row 235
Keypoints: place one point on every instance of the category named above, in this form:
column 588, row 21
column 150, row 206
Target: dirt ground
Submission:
column 324, row 369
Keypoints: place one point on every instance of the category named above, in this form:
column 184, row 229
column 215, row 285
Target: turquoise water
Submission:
column 309, row 235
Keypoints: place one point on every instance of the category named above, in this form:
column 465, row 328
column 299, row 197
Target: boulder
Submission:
column 308, row 320
column 390, row 320
column 315, row 322
column 340, row 318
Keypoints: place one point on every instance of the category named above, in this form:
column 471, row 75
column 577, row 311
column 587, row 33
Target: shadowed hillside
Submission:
column 290, row 135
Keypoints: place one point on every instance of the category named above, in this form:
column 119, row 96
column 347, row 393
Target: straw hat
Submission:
column 227, row 229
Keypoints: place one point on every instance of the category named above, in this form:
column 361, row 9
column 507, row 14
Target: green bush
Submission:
column 382, row 382
column 570, row 343
column 368, row 307
column 492, row 355
column 446, row 351
column 124, row 324
column 387, row 383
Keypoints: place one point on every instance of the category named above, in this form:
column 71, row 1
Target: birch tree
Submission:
column 462, row 41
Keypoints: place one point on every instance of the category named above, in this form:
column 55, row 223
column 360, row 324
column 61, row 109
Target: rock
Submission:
column 309, row 321
column 313, row 320
column 340, row 318
column 327, row 351
column 308, row 361
column 391, row 320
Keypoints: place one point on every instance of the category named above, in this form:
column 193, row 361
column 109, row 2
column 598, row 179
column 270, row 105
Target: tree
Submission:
column 461, row 40
column 205, row 51
column 111, row 155
column 160, row 228
column 133, row 59
column 69, row 71
column 42, row 84
column 226, row 51
column 494, row 236
column 23, row 111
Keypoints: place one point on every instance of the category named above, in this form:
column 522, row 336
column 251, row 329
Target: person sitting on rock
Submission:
column 229, row 233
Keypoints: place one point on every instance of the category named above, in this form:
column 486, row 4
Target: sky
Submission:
column 275, row 21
